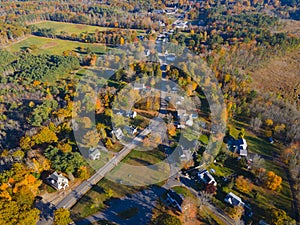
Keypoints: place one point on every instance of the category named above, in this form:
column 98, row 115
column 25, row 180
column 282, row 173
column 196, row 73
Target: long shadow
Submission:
column 144, row 201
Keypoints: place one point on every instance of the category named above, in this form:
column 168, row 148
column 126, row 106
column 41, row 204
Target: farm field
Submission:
column 42, row 45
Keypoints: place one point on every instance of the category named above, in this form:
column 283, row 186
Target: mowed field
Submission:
column 70, row 28
column 44, row 45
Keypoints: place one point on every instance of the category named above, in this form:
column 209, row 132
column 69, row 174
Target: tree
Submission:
column 272, row 181
column 257, row 163
column 26, row 143
column 210, row 189
column 91, row 138
column 236, row 212
column 62, row 217
column 279, row 217
column 45, row 136
column 255, row 124
column 171, row 130
column 167, row 219
column 243, row 184
column 83, row 173
column 204, row 199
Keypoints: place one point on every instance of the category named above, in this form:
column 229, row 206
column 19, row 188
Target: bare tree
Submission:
column 255, row 123
column 257, row 162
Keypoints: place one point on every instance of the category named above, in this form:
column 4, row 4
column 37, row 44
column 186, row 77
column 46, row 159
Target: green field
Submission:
column 72, row 28
column 96, row 199
column 53, row 46
column 69, row 28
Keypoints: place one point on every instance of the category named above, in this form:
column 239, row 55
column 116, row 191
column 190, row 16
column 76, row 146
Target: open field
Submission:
column 69, row 28
column 72, row 28
column 53, row 46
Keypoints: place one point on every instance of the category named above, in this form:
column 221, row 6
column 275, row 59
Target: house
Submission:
column 171, row 57
column 241, row 145
column 118, row 133
column 58, row 181
column 130, row 114
column 147, row 52
column 233, row 200
column 130, row 130
column 206, row 177
column 138, row 86
column 190, row 121
column 94, row 154
column 175, row 199
column 127, row 113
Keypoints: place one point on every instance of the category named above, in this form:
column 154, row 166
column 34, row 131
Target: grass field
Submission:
column 72, row 28
column 95, row 199
column 53, row 46
column 69, row 28
column 142, row 167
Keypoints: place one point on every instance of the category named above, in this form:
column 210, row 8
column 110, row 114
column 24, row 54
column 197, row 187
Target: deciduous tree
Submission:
column 62, row 217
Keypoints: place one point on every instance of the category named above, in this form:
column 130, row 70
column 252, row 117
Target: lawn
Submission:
column 184, row 191
column 95, row 200
column 53, row 46
column 141, row 168
column 70, row 28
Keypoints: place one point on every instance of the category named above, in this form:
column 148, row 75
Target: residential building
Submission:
column 58, row 181
column 94, row 154
column 118, row 133
column 233, row 200
column 175, row 200
column 206, row 177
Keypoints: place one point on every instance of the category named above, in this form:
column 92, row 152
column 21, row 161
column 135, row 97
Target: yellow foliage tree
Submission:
column 45, row 136
column 171, row 130
column 269, row 122
column 272, row 181
column 243, row 184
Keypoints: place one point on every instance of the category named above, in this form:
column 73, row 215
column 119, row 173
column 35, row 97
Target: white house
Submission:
column 207, row 178
column 94, row 153
column 190, row 121
column 138, row 86
column 118, row 133
column 58, row 181
column 131, row 114
column 130, row 130
column 233, row 200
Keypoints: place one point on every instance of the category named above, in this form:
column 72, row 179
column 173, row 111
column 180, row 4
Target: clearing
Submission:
column 70, row 28
column 42, row 45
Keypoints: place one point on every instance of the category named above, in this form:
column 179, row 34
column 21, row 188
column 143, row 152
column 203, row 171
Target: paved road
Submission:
column 83, row 188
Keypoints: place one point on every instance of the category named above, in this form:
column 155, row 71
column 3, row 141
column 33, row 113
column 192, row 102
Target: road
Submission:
column 69, row 200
